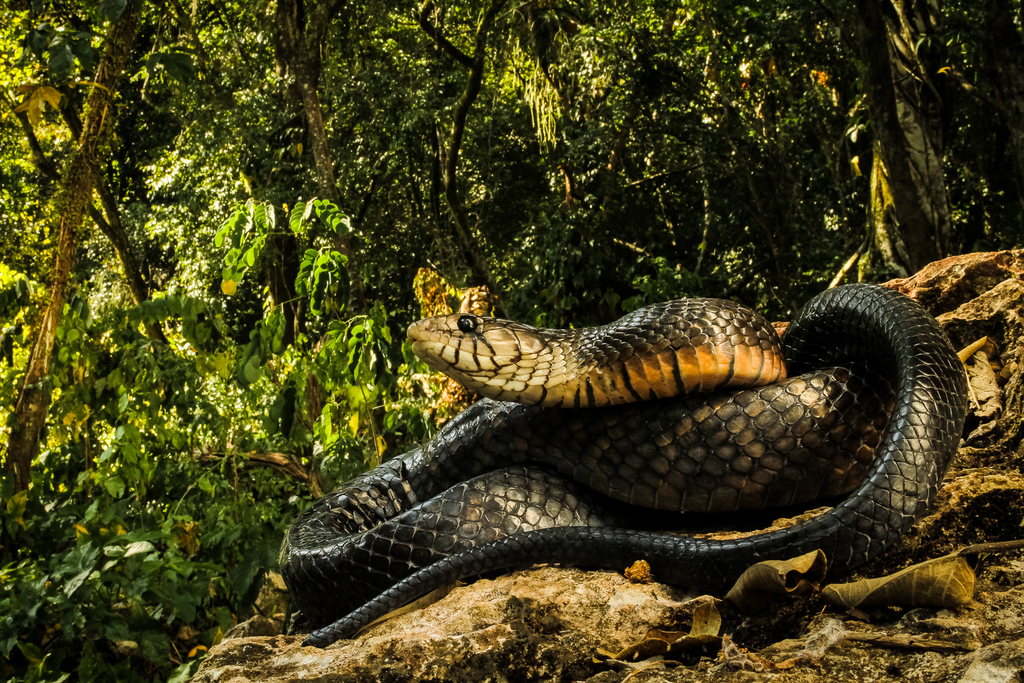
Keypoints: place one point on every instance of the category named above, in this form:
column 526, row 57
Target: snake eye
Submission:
column 467, row 323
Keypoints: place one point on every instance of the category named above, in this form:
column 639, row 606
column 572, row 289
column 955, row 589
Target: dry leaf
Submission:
column 985, row 386
column 942, row 582
column 764, row 580
column 639, row 572
column 688, row 648
column 37, row 100
column 706, row 619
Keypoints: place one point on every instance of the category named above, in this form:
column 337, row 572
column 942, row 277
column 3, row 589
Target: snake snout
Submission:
column 419, row 329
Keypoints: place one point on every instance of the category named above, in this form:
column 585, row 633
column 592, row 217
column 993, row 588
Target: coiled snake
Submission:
column 505, row 484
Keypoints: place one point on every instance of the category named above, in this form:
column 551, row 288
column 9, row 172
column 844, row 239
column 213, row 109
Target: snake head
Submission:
column 495, row 358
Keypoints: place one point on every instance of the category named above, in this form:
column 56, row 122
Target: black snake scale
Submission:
column 504, row 485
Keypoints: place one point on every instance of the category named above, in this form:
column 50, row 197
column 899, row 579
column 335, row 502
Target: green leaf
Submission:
column 259, row 216
column 271, row 220
column 112, row 9
column 206, row 485
column 76, row 582
column 250, row 371
column 114, row 485
column 81, row 45
column 138, row 547
column 297, row 216
column 180, row 66
column 60, row 62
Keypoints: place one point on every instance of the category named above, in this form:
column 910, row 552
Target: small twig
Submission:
column 906, row 641
column 964, row 354
column 850, row 262
column 994, row 547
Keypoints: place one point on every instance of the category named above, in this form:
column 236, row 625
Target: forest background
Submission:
column 212, row 215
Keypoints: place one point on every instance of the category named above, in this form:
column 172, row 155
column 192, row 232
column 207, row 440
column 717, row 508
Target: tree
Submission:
column 449, row 148
column 77, row 183
column 299, row 35
column 906, row 98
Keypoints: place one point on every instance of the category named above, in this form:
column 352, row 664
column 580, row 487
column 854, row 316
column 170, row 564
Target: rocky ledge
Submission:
column 564, row 624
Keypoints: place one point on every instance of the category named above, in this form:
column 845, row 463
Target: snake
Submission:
column 694, row 405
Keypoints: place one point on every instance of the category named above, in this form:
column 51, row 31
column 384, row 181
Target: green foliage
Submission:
column 617, row 154
column 247, row 229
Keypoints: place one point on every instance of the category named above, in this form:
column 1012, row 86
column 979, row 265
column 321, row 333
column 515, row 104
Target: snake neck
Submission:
column 679, row 347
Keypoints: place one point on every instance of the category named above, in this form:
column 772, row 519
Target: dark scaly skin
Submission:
column 676, row 454
column 874, row 325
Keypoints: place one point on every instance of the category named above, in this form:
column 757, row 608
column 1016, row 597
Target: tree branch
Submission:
column 442, row 42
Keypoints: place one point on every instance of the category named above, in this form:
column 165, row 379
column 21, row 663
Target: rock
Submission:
column 257, row 626
column 533, row 625
column 944, row 285
column 546, row 623
column 991, row 314
column 999, row 663
column 272, row 600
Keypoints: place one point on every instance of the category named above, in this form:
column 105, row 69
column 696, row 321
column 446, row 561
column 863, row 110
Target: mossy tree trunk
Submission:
column 72, row 202
column 905, row 99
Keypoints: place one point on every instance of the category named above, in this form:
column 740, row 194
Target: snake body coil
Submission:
column 504, row 485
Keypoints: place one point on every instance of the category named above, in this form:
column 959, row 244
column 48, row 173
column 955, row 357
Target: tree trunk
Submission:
column 906, row 107
column 33, row 399
column 298, row 36
column 110, row 225
column 450, row 152
column 885, row 238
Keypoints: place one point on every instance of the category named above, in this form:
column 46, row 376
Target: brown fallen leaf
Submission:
column 686, row 649
column 678, row 646
column 761, row 582
column 942, row 582
column 982, row 378
column 706, row 619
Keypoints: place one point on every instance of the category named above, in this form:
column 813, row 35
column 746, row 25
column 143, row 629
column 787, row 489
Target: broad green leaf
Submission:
column 250, row 371
column 112, row 9
column 138, row 547
column 76, row 582
column 297, row 216
column 60, row 62
column 114, row 485
column 180, row 66
column 222, row 233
